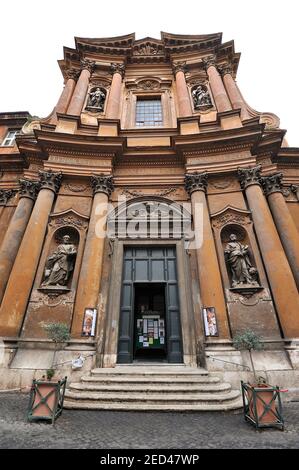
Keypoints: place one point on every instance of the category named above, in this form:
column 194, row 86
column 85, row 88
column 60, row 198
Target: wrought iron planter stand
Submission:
column 46, row 400
column 262, row 406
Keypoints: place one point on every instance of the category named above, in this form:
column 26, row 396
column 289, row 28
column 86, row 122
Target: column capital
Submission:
column 72, row 73
column 50, row 180
column 88, row 65
column 117, row 68
column 29, row 188
column 209, row 60
column 225, row 69
column 272, row 183
column 102, row 184
column 179, row 67
column 196, row 182
column 5, row 195
column 249, row 176
column 295, row 189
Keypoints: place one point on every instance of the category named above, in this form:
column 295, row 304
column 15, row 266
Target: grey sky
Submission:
column 33, row 34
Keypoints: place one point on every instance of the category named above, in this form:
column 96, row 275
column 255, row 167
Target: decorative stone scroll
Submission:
column 249, row 176
column 196, row 182
column 5, row 195
column 230, row 215
column 50, row 180
column 102, row 184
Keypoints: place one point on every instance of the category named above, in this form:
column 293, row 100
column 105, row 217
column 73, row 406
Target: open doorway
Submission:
column 150, row 342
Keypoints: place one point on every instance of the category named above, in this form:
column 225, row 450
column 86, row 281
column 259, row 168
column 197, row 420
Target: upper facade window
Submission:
column 10, row 138
column 149, row 112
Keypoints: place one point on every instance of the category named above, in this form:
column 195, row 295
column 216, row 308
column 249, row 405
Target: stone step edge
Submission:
column 236, row 405
column 129, row 379
column 114, row 372
column 157, row 387
column 233, row 394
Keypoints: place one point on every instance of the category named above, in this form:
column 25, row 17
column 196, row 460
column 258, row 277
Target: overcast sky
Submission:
column 33, row 33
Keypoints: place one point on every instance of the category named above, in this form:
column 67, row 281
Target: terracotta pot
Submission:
column 42, row 408
column 262, row 399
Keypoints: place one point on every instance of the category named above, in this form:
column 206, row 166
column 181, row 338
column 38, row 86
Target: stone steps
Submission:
column 149, row 388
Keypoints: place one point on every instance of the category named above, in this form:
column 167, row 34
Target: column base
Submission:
column 67, row 124
column 230, row 119
column 188, row 125
column 108, row 127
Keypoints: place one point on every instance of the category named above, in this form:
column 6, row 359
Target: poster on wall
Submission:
column 210, row 321
column 89, row 322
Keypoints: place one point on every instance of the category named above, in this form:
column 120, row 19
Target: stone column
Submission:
column 285, row 294
column 79, row 95
column 283, row 220
column 17, row 293
column 210, row 284
column 5, row 196
column 113, row 105
column 185, row 108
column 91, row 269
column 65, row 97
column 233, row 91
column 16, row 229
column 217, row 87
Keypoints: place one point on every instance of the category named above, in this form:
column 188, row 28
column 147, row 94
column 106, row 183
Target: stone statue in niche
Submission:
column 237, row 257
column 96, row 99
column 60, row 264
column 201, row 98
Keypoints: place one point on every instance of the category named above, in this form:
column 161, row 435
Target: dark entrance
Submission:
column 149, row 316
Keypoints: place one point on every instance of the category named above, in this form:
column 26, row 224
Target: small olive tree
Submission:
column 58, row 333
column 249, row 341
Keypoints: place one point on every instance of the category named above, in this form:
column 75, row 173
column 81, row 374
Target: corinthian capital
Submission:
column 208, row 61
column 50, row 180
column 272, row 184
column 72, row 73
column 226, row 69
column 29, row 188
column 88, row 65
column 102, row 184
column 196, row 182
column 179, row 67
column 5, row 195
column 249, row 176
column 117, row 68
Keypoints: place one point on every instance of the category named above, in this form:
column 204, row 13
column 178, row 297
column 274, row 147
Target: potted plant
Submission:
column 47, row 395
column 261, row 401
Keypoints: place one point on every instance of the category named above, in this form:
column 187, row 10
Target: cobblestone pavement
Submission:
column 133, row 430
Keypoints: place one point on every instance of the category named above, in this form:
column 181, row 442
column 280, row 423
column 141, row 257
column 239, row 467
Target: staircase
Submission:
column 149, row 388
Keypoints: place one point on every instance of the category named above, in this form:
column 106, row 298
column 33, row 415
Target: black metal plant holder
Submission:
column 261, row 412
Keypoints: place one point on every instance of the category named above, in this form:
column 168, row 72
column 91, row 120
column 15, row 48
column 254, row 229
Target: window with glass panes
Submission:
column 10, row 138
column 149, row 112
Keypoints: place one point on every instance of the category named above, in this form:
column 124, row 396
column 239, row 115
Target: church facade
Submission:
column 153, row 212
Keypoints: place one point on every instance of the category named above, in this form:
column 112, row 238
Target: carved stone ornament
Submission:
column 72, row 73
column 138, row 193
column 179, row 67
column 226, row 69
column 76, row 188
column 102, row 184
column 243, row 273
column 148, row 85
column 208, row 61
column 146, row 49
column 201, row 98
column 230, row 215
column 69, row 218
column 60, row 264
column 196, row 182
column 272, row 184
column 29, row 188
column 249, row 176
column 88, row 65
column 50, row 180
column 96, row 99
column 5, row 195
column 117, row 68
column 295, row 190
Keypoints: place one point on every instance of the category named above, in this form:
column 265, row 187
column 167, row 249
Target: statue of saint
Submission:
column 201, row 97
column 238, row 259
column 60, row 264
column 96, row 99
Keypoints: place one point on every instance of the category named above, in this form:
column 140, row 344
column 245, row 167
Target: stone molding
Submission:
column 29, row 188
column 272, row 184
column 87, row 64
column 50, row 180
column 102, row 184
column 196, row 182
column 117, row 68
column 249, row 176
column 5, row 195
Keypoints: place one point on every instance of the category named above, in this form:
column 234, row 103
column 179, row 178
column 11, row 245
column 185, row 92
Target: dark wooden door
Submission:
column 156, row 265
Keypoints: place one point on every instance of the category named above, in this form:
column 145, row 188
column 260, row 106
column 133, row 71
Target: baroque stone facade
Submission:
column 153, row 191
